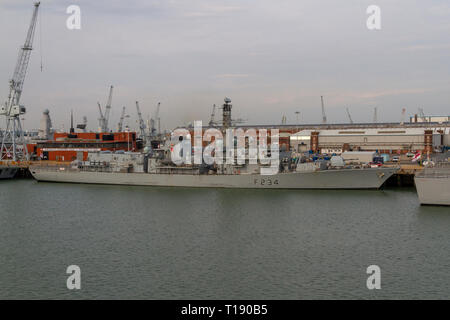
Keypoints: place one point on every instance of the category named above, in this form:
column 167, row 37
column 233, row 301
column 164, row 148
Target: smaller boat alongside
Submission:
column 433, row 184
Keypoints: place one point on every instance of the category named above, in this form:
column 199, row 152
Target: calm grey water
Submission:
column 163, row 243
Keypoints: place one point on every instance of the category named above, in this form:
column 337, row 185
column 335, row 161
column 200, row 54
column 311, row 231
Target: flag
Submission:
column 416, row 157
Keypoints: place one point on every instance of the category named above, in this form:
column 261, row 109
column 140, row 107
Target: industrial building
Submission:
column 423, row 133
column 386, row 140
column 429, row 119
column 76, row 146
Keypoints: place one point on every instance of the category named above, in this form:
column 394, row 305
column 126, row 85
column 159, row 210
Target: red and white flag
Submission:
column 416, row 157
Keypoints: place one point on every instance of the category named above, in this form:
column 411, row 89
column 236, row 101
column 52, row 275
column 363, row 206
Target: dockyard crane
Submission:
column 142, row 125
column 153, row 130
column 349, row 116
column 101, row 120
column 324, row 116
column 13, row 140
column 422, row 115
column 108, row 109
column 158, row 118
column 213, row 116
column 104, row 117
column 122, row 117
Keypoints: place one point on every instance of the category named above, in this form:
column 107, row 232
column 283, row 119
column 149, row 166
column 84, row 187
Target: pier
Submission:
column 405, row 176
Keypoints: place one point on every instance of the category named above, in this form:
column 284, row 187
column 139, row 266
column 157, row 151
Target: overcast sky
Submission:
column 272, row 58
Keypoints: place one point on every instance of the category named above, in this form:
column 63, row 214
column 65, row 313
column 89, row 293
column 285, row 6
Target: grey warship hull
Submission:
column 368, row 178
column 433, row 186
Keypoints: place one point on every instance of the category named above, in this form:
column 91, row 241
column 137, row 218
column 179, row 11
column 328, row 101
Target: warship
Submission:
column 156, row 170
column 433, row 184
column 154, row 167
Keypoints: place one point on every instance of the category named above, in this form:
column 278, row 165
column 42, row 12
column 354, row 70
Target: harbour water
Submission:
column 176, row 243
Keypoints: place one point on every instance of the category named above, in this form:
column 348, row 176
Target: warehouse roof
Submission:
column 370, row 132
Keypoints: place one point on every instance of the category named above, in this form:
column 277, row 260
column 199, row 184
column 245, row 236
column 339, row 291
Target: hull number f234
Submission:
column 265, row 181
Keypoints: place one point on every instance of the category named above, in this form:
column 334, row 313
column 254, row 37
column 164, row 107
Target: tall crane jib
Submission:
column 103, row 120
column 155, row 129
column 142, row 125
column 108, row 110
column 13, row 140
column 212, row 121
column 157, row 118
column 122, row 117
column 324, row 116
column 349, row 116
